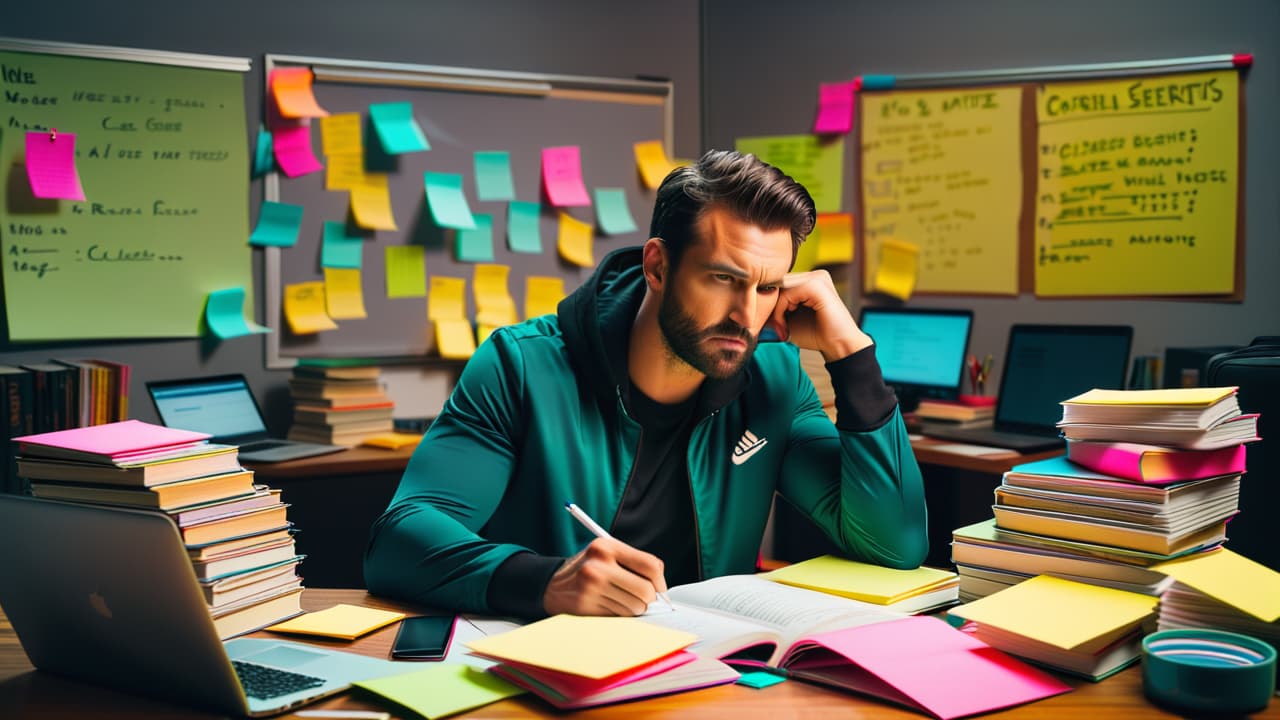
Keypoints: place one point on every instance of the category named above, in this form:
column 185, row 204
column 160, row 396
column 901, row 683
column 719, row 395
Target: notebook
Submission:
column 920, row 350
column 107, row 595
column 1044, row 365
column 224, row 407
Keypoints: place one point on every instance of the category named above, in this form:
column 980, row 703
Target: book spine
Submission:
column 19, row 419
column 1105, row 459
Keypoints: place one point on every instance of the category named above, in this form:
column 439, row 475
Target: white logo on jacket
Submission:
column 749, row 445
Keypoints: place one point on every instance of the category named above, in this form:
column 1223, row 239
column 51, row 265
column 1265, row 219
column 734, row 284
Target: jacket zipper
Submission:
column 617, row 389
column 693, row 501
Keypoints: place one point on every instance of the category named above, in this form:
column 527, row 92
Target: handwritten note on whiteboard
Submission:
column 1137, row 186
column 941, row 170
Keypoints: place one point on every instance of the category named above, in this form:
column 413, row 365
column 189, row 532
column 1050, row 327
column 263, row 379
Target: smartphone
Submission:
column 425, row 637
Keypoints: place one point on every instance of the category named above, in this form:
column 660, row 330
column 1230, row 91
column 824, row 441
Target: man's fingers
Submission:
column 795, row 279
column 643, row 564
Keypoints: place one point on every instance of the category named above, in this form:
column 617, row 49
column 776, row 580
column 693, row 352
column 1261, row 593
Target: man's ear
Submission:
column 654, row 263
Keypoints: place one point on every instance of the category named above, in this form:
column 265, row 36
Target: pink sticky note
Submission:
column 835, row 108
column 51, row 166
column 562, row 176
column 292, row 148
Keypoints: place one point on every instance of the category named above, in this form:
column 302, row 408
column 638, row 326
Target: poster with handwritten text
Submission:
column 1137, row 186
column 941, row 170
column 163, row 158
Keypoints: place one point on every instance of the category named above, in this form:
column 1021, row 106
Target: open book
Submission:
column 745, row 620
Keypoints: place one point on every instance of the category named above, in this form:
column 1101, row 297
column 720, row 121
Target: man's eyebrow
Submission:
column 737, row 272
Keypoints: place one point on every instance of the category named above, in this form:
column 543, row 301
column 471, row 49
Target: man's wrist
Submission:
column 842, row 347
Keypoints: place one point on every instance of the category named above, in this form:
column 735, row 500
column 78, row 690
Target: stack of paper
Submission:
column 1222, row 590
column 1195, row 418
column 910, row 591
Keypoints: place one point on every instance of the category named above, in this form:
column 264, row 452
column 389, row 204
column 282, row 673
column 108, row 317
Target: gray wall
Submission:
column 578, row 37
column 763, row 60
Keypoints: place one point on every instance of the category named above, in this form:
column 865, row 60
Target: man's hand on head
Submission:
column 609, row 577
column 811, row 315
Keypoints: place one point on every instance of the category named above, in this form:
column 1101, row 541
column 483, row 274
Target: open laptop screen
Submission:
column 920, row 351
column 222, row 406
column 1046, row 364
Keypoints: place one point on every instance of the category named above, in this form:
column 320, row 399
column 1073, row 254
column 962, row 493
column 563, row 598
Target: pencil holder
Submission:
column 1208, row 671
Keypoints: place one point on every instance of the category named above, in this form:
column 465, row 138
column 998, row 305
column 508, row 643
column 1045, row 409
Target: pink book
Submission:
column 116, row 442
column 692, row 673
column 1154, row 464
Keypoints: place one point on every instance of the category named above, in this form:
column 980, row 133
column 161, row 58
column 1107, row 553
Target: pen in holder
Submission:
column 978, row 373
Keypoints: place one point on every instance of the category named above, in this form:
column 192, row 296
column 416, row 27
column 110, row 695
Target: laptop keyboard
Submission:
column 264, row 683
column 262, row 445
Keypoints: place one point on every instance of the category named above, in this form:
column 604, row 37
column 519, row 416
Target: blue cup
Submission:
column 1208, row 671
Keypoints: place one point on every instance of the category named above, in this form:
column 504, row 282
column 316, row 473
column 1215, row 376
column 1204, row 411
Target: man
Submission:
column 646, row 401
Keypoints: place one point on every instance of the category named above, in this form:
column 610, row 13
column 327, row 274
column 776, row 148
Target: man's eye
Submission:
column 767, row 289
column 723, row 277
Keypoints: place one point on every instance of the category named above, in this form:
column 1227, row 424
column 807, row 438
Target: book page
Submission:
column 719, row 634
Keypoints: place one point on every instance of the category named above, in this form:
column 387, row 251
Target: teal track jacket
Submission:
column 536, row 420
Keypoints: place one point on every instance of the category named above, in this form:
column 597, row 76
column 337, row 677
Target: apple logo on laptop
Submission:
column 99, row 605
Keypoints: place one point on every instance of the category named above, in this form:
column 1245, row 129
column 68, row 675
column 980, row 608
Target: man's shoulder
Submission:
column 776, row 358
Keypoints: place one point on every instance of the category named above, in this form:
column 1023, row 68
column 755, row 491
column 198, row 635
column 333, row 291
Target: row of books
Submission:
column 236, row 531
column 57, row 395
column 339, row 404
column 1150, row 476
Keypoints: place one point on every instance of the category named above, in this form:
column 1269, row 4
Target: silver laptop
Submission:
column 224, row 407
column 108, row 595
column 1044, row 365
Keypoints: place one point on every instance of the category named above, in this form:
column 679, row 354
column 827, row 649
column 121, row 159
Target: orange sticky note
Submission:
column 304, row 308
column 291, row 88
column 575, row 241
column 833, row 235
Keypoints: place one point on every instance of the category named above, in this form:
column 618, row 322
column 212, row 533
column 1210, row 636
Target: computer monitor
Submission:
column 920, row 350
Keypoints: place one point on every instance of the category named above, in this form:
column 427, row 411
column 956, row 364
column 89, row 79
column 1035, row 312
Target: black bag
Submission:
column 1255, row 532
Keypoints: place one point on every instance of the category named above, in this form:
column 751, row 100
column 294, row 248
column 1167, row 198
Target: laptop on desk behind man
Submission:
column 1044, row 365
column 224, row 407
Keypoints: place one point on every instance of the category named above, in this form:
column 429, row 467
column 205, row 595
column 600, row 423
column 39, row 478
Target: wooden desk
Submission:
column 26, row 693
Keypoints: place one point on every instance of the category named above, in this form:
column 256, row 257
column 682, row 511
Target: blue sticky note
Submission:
column 612, row 212
column 278, row 225
column 262, row 158
column 523, row 230
column 339, row 249
column 397, row 131
column 224, row 314
column 493, row 175
column 448, row 204
column 759, row 679
column 476, row 245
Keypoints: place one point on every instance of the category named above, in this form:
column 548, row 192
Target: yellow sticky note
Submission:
column 447, row 300
column 592, row 647
column 861, row 581
column 454, row 340
column 304, row 308
column 371, row 203
column 1062, row 613
column 342, row 134
column 441, row 690
column 494, row 305
column 406, row 271
column 343, row 171
column 341, row 621
column 651, row 160
column 392, row 441
column 542, row 295
column 806, row 256
column 834, row 235
column 575, row 241
column 898, row 269
column 1232, row 578
column 344, row 293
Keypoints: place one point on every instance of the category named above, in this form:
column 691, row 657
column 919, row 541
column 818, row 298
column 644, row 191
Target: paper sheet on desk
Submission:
column 975, row 450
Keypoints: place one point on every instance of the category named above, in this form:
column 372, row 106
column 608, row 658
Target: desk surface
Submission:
column 26, row 693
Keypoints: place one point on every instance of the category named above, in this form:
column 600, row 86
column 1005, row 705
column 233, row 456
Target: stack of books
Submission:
column 339, row 405
column 235, row 531
column 1222, row 590
column 955, row 414
column 1113, row 508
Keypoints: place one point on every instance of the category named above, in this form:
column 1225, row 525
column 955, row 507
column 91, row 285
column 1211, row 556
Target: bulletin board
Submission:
column 1127, row 184
column 161, row 155
column 460, row 111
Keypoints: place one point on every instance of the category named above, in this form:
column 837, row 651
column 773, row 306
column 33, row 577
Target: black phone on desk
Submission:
column 425, row 637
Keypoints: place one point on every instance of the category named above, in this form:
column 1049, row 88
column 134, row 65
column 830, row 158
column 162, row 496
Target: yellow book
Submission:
column 392, row 441
column 1196, row 397
column 340, row 621
column 862, row 581
column 1232, row 578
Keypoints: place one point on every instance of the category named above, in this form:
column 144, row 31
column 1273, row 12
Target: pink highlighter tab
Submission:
column 562, row 176
column 835, row 108
column 292, row 148
column 51, row 166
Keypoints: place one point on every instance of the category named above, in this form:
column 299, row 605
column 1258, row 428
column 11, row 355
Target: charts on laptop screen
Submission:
column 920, row 351
column 222, row 407
column 1047, row 364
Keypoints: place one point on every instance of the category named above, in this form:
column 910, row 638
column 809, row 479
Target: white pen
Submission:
column 600, row 532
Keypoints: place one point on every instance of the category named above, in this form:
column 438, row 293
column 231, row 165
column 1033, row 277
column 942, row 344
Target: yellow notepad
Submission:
column 592, row 647
column 1201, row 397
column 1234, row 579
column 442, row 690
column 392, row 441
column 860, row 581
column 340, row 621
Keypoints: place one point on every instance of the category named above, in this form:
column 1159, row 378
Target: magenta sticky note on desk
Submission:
column 835, row 108
column 51, row 166
column 562, row 176
column 292, row 147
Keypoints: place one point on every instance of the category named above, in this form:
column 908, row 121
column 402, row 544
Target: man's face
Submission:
column 719, row 297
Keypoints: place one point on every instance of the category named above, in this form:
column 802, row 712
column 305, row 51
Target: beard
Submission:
column 685, row 340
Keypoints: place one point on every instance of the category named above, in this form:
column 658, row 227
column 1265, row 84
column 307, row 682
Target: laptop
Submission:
column 108, row 595
column 920, row 350
column 1044, row 365
column 224, row 407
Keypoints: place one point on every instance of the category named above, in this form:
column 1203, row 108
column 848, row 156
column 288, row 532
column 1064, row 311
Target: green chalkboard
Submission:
column 162, row 154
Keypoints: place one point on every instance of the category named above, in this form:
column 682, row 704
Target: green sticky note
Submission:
column 448, row 204
column 759, row 679
column 278, row 225
column 441, row 690
column 523, row 233
column 262, row 159
column 476, row 245
column 340, row 250
column 397, row 131
column 815, row 164
column 612, row 212
column 224, row 313
column 406, row 271
column 493, row 176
